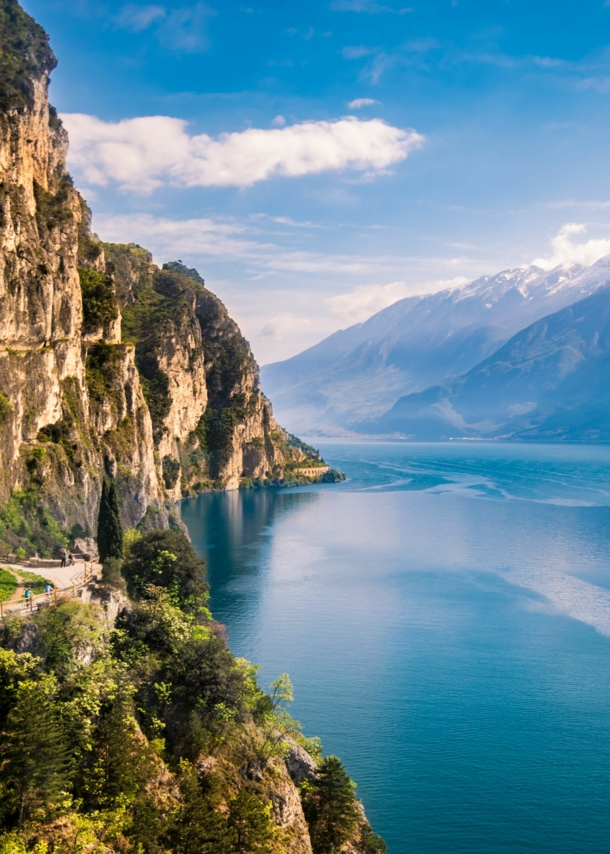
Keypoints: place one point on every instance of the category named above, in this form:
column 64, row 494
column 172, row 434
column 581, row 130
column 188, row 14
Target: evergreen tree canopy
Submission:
column 109, row 528
column 330, row 807
column 36, row 766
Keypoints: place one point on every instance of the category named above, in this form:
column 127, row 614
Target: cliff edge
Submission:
column 109, row 365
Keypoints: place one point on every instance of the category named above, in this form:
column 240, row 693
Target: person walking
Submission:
column 28, row 597
column 70, row 559
column 64, row 557
column 48, row 590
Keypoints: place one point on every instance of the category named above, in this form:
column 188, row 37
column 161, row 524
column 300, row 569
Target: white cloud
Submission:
column 227, row 240
column 138, row 18
column 144, row 153
column 566, row 252
column 600, row 84
column 357, row 51
column 363, row 302
column 283, row 326
column 185, row 29
column 278, row 122
column 359, row 103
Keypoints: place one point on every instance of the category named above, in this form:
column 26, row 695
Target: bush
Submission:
column 167, row 559
column 100, row 305
column 111, row 574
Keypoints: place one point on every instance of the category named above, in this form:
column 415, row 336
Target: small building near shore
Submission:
column 312, row 471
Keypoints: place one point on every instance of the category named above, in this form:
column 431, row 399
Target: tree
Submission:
column 275, row 718
column 36, row 764
column 251, row 824
column 121, row 762
column 109, row 528
column 370, row 843
column 167, row 559
column 330, row 807
column 199, row 827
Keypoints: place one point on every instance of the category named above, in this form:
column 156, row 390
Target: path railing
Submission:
column 32, row 603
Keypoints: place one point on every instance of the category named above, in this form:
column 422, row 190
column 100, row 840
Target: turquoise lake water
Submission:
column 445, row 618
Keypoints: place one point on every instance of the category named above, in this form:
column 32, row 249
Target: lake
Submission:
column 444, row 615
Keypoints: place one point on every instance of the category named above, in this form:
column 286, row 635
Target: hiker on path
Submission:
column 71, row 559
column 28, row 596
column 48, row 590
column 64, row 557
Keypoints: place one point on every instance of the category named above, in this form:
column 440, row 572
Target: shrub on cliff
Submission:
column 100, row 306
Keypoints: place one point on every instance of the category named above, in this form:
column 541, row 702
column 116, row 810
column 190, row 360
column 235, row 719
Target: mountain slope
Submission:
column 109, row 366
column 550, row 381
column 358, row 373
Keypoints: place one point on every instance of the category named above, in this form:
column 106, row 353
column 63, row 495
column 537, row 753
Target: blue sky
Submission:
column 479, row 139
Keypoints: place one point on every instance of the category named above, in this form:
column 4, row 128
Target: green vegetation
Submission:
column 162, row 309
column 103, row 371
column 52, row 210
column 100, row 306
column 171, row 471
column 6, row 407
column 8, row 584
column 109, row 528
column 149, row 737
column 36, row 582
column 330, row 807
column 25, row 56
column 26, row 523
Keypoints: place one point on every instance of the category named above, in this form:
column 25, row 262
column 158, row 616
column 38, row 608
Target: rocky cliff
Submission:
column 108, row 364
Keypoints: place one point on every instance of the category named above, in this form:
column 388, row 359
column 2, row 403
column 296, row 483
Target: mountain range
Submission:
column 411, row 368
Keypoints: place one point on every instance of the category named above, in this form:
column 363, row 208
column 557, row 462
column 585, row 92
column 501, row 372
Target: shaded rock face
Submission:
column 156, row 389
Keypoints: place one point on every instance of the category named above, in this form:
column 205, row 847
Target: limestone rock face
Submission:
column 109, row 365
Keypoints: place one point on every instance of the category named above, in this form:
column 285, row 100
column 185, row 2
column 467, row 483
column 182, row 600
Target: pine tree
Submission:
column 109, row 528
column 330, row 807
column 36, row 767
column 251, row 823
column 370, row 843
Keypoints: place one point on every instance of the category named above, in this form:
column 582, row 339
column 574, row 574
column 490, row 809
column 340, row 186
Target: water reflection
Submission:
column 232, row 530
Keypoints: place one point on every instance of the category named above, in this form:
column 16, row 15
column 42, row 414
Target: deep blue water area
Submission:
column 444, row 615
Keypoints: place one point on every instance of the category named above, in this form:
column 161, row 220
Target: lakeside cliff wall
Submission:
column 109, row 365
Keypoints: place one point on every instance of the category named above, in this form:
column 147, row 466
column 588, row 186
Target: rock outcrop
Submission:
column 109, row 366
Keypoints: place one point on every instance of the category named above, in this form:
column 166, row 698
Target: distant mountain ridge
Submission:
column 358, row 374
column 550, row 381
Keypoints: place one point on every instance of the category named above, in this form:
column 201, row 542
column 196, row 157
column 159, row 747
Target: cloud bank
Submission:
column 567, row 253
column 142, row 154
column 366, row 300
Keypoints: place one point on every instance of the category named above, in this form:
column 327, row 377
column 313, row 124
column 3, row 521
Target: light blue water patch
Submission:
column 445, row 618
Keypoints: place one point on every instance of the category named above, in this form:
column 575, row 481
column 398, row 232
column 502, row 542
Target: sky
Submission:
column 318, row 160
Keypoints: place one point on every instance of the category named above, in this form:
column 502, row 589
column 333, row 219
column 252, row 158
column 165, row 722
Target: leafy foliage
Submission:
column 100, row 305
column 102, row 368
column 135, row 739
column 167, row 559
column 171, row 471
column 8, row 584
column 52, row 209
column 26, row 523
column 25, row 56
column 6, row 407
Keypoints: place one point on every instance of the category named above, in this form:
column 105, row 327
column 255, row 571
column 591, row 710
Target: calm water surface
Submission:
column 445, row 618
